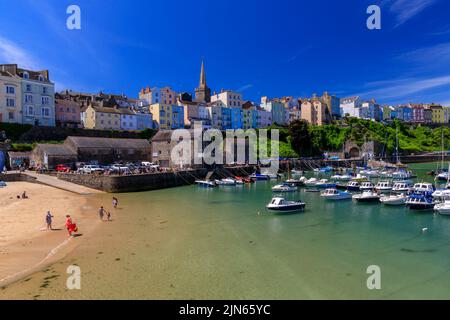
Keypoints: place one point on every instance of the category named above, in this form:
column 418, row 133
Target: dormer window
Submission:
column 41, row 78
column 26, row 75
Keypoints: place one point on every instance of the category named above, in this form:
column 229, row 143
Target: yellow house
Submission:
column 101, row 118
column 162, row 114
column 437, row 114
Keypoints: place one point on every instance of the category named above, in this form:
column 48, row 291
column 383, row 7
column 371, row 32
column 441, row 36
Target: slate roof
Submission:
column 115, row 143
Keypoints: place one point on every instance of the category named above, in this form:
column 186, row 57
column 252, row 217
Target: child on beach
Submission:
column 101, row 212
column 115, row 202
column 108, row 215
column 48, row 220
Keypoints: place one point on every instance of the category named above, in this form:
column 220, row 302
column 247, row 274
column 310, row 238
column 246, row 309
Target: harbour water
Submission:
column 194, row 243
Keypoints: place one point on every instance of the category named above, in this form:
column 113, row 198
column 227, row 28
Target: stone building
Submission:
column 93, row 150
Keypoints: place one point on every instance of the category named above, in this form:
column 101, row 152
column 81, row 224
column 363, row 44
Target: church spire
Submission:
column 202, row 93
column 202, row 76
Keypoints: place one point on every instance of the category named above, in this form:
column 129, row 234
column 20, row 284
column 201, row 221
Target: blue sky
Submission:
column 271, row 48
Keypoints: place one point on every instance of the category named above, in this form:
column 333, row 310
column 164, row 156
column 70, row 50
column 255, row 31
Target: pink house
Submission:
column 67, row 112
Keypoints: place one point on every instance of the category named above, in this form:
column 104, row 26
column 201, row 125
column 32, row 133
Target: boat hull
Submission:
column 287, row 209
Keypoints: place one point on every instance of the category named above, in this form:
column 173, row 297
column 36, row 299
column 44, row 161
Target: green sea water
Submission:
column 194, row 243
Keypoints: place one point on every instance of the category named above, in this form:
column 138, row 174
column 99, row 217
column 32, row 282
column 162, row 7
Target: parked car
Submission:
column 121, row 169
column 90, row 168
column 62, row 168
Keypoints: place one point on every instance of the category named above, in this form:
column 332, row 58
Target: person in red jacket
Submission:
column 71, row 227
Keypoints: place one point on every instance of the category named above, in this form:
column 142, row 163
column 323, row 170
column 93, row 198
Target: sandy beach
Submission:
column 25, row 243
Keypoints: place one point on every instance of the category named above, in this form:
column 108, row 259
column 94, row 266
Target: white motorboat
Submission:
column 206, row 183
column 383, row 186
column 281, row 205
column 296, row 182
column 366, row 185
column 394, row 200
column 311, row 182
column 353, row 186
column 339, row 177
column 324, row 184
column 423, row 187
column 443, row 176
column 334, row 194
column 443, row 208
column 401, row 186
column 284, row 187
column 367, row 196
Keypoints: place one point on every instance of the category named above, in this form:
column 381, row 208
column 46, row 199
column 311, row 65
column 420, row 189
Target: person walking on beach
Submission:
column 101, row 212
column 71, row 227
column 115, row 202
column 48, row 219
column 108, row 216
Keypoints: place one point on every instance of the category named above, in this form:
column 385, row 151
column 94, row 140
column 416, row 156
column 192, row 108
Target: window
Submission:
column 28, row 98
column 45, row 100
column 41, row 78
column 10, row 90
column 10, row 102
column 29, row 111
column 44, row 90
column 26, row 75
column 11, row 115
column 45, row 112
column 28, row 88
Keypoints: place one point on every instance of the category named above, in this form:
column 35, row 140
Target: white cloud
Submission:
column 403, row 88
column 405, row 10
column 12, row 53
column 245, row 87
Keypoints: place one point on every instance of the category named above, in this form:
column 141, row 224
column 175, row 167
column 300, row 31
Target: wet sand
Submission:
column 25, row 243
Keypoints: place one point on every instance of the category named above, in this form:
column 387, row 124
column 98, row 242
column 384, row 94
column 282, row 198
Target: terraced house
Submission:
column 34, row 103
column 10, row 99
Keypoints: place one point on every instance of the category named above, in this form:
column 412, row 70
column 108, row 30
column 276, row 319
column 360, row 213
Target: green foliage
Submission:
column 307, row 140
column 14, row 130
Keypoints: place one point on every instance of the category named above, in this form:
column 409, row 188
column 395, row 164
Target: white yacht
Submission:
column 226, row 182
column 423, row 187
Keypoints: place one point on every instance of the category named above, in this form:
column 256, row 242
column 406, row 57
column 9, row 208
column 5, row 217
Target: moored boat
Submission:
column 324, row 183
column 260, row 177
column 366, row 185
column 311, row 182
column 401, row 186
column 383, row 186
column 284, row 187
column 206, row 183
column 420, row 202
column 334, row 194
column 280, row 205
column 443, row 208
column 353, row 186
column 394, row 200
column 367, row 196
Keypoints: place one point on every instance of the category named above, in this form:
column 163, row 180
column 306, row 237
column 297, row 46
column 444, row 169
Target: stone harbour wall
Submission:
column 146, row 182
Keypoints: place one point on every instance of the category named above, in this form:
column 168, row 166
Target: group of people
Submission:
column 71, row 226
column 102, row 211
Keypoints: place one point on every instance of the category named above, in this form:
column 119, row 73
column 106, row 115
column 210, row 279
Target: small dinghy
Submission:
column 367, row 196
column 206, row 183
column 394, row 200
column 280, row 205
column 284, row 187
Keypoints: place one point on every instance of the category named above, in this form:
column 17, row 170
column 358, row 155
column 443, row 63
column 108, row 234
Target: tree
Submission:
column 300, row 137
